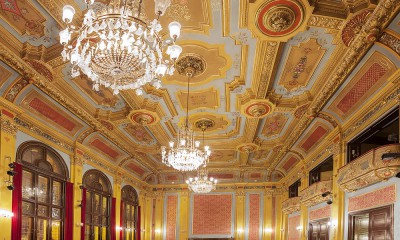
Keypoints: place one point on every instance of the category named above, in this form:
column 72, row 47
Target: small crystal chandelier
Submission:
column 117, row 46
column 185, row 155
column 202, row 183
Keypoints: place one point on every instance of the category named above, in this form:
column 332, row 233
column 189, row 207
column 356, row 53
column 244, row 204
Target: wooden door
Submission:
column 380, row 224
column 372, row 224
column 319, row 230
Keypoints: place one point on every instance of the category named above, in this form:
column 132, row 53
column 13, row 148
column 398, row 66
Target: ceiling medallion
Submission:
column 247, row 147
column 204, row 123
column 143, row 117
column 195, row 64
column 116, row 46
column 257, row 108
column 185, row 154
column 279, row 18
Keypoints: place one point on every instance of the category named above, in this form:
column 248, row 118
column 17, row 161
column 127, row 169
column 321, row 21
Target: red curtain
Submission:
column 69, row 211
column 83, row 213
column 121, row 217
column 16, row 203
column 113, row 220
column 138, row 224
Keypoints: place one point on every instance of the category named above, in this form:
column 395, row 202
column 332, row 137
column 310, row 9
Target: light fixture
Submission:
column 6, row 213
column 185, row 154
column 116, row 46
column 202, row 183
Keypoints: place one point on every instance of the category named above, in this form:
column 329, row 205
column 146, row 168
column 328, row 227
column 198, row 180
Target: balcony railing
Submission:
column 313, row 194
column 369, row 168
column 291, row 205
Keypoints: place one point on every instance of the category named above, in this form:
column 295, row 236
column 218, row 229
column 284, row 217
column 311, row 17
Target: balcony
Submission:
column 291, row 205
column 312, row 195
column 369, row 168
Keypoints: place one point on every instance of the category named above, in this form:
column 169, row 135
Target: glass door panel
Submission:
column 57, row 193
column 27, row 228
column 28, row 189
column 56, row 230
column 96, row 232
column 42, row 229
column 42, row 190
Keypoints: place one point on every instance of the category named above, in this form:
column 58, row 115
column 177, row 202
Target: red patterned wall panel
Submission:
column 104, row 148
column 374, row 73
column 293, row 223
column 172, row 203
column 324, row 212
column 380, row 197
column 254, row 216
column 212, row 214
column 318, row 133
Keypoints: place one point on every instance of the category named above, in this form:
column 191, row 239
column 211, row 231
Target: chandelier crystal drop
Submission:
column 185, row 154
column 202, row 183
column 118, row 47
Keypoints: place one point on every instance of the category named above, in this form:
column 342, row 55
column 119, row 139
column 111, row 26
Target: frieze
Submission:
column 372, row 112
column 267, row 68
column 325, row 22
column 390, row 41
column 8, row 126
column 43, row 134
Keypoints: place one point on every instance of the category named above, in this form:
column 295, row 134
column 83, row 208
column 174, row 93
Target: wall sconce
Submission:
column 79, row 224
column 6, row 213
column 119, row 228
column 299, row 228
column 268, row 230
column 158, row 231
column 10, row 173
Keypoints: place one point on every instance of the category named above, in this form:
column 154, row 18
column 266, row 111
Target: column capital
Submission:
column 8, row 125
column 78, row 160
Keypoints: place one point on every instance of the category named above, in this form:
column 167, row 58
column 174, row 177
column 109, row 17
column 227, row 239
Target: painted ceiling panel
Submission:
column 261, row 82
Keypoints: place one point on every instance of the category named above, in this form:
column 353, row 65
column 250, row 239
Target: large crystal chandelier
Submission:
column 117, row 46
column 202, row 183
column 185, row 154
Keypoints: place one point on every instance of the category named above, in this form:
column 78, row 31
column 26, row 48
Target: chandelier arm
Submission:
column 140, row 8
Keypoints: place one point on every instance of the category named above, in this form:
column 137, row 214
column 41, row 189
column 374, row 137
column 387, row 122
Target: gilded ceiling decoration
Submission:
column 279, row 81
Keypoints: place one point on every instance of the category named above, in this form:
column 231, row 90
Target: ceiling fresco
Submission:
column 277, row 78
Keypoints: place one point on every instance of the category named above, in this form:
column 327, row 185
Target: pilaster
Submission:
column 240, row 199
column 268, row 216
column 117, row 195
column 183, row 212
column 337, row 212
column 7, row 155
column 147, row 219
column 76, row 178
column 159, row 213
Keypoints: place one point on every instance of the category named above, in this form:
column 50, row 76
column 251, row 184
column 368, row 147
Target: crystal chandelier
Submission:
column 202, row 183
column 117, row 46
column 185, row 154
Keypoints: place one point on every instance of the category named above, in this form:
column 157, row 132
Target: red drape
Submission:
column 113, row 220
column 83, row 213
column 16, row 203
column 69, row 211
column 138, row 224
column 121, row 217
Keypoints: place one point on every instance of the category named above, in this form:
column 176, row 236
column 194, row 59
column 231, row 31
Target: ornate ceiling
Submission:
column 278, row 77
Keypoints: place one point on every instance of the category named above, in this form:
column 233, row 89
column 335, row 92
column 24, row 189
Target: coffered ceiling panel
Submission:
column 275, row 79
